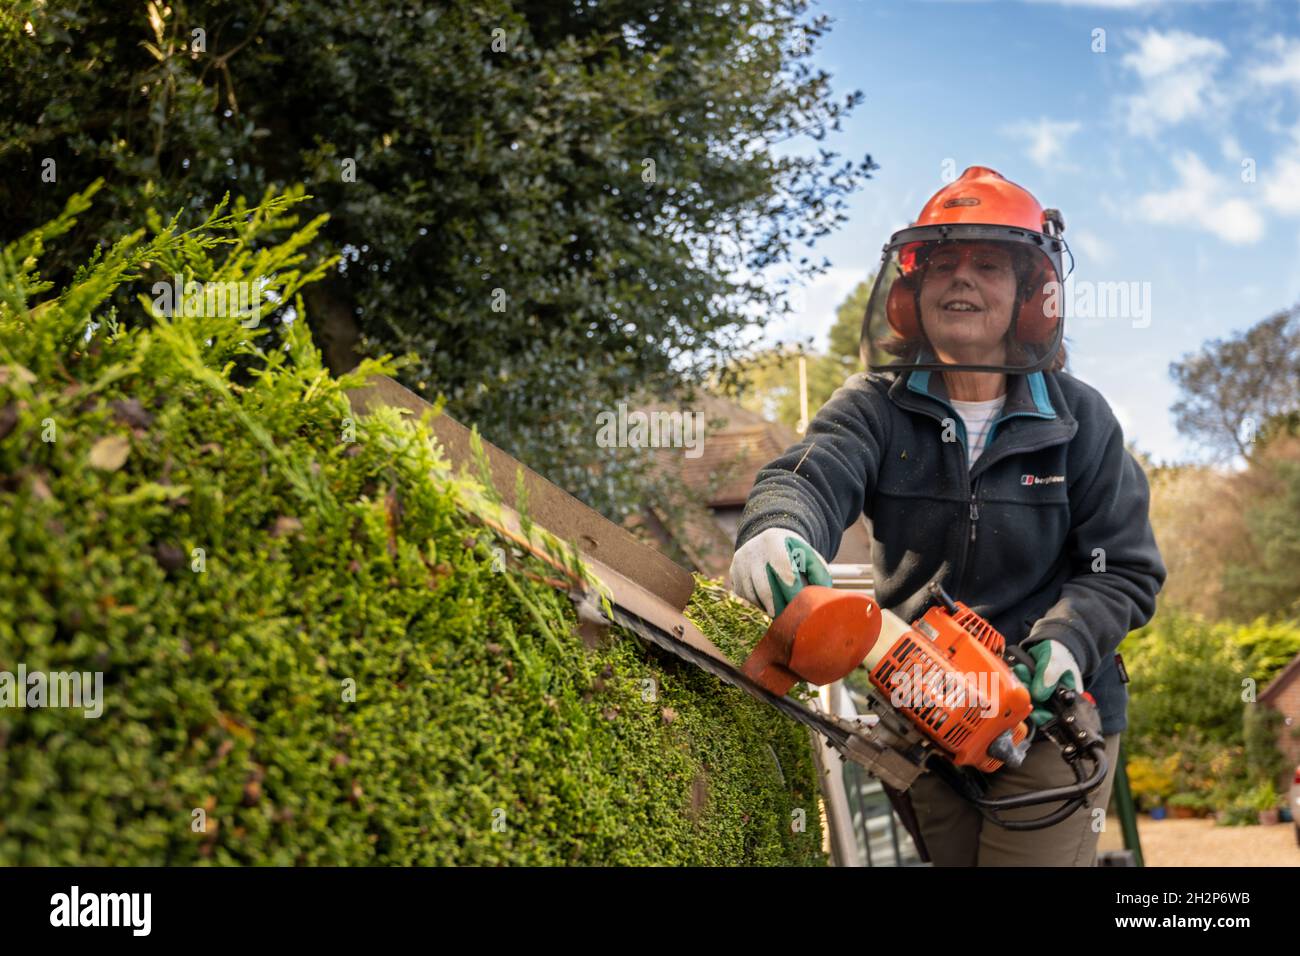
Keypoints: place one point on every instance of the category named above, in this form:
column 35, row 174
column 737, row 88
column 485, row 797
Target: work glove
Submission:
column 773, row 566
column 1053, row 664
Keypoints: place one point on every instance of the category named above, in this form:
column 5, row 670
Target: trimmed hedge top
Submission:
column 312, row 651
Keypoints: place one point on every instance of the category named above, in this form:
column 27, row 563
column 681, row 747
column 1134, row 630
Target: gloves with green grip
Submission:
column 773, row 566
column 1053, row 664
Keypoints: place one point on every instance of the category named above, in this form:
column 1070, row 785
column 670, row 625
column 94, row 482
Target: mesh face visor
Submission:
column 968, row 298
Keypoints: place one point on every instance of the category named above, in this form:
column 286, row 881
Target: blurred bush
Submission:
column 1196, row 729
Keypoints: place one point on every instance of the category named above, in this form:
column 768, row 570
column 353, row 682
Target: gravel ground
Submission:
column 1201, row 843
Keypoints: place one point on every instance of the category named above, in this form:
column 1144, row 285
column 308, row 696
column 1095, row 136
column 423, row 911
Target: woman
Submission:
column 985, row 467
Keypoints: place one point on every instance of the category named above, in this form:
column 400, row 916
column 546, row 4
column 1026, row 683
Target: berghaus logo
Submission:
column 1041, row 479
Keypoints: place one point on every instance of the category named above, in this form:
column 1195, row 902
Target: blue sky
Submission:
column 1147, row 148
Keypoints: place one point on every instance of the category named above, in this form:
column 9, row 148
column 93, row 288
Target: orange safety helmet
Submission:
column 981, row 205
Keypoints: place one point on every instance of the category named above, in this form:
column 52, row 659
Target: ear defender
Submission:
column 900, row 307
column 1034, row 325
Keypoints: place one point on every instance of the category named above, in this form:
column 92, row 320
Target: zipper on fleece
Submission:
column 970, row 487
column 970, row 542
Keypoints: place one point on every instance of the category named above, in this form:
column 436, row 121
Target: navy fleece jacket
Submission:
column 1047, row 535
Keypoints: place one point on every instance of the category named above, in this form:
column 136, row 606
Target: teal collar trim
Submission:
column 919, row 382
column 1038, row 391
column 1026, row 396
column 1041, row 406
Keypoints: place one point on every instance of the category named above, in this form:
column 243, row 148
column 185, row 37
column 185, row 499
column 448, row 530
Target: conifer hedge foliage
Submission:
column 312, row 648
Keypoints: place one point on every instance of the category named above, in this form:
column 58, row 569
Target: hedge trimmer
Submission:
column 942, row 696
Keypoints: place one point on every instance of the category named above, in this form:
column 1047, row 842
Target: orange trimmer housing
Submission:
column 822, row 635
column 947, row 674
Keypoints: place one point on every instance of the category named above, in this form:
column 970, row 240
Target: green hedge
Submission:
column 311, row 639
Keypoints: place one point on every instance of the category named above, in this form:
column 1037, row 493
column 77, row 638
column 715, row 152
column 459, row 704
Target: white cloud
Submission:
column 1202, row 200
column 1109, row 4
column 1047, row 140
column 1123, row 416
column 1176, row 70
column 1283, row 69
column 1161, row 53
column 1092, row 246
column 1281, row 178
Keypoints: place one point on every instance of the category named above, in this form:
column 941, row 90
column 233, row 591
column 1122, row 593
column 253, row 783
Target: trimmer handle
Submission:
column 1075, row 728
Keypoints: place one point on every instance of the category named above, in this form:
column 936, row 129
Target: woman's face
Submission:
column 967, row 292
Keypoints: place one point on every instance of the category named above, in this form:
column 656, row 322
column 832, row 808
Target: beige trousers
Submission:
column 956, row 834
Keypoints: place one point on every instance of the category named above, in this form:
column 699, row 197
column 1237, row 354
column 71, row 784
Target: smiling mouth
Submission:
column 958, row 306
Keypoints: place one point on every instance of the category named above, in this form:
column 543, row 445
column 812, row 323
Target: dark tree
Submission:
column 545, row 204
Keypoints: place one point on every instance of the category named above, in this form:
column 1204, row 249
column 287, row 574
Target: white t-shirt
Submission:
column 979, row 418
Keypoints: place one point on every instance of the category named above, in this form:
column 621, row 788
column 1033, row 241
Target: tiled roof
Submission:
column 1281, row 680
column 732, row 454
